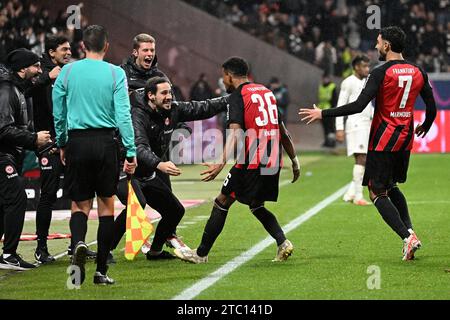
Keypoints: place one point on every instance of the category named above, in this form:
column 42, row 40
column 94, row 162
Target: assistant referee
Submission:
column 90, row 100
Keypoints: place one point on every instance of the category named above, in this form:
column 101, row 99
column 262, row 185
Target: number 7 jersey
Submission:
column 398, row 83
column 254, row 108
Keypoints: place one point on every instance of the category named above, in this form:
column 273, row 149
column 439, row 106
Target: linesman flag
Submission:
column 139, row 228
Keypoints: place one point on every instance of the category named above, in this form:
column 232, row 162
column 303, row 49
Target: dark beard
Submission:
column 381, row 57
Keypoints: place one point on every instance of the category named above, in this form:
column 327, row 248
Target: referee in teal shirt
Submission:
column 90, row 100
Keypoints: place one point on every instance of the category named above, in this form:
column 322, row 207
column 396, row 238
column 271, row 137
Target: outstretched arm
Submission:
column 199, row 110
column 368, row 93
column 232, row 139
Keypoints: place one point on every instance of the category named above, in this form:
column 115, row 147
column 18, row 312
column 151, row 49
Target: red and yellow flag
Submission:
column 139, row 228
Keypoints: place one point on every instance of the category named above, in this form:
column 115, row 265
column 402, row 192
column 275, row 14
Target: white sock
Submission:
column 411, row 231
column 351, row 189
column 358, row 174
column 6, row 255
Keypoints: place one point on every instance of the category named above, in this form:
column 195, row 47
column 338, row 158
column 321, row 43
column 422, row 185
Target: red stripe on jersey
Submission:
column 394, row 108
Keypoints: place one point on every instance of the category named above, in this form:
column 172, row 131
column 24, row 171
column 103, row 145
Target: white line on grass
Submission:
column 197, row 288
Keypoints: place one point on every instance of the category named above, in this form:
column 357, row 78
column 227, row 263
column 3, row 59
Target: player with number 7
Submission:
column 395, row 86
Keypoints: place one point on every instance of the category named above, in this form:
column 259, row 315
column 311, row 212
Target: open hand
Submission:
column 311, row 114
column 212, row 171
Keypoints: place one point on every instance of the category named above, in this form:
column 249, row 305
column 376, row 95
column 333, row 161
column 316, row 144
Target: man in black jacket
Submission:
column 14, row 137
column 57, row 54
column 143, row 63
column 155, row 117
column 141, row 66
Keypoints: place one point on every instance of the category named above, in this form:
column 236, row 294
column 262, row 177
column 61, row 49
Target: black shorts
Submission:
column 383, row 169
column 248, row 186
column 92, row 164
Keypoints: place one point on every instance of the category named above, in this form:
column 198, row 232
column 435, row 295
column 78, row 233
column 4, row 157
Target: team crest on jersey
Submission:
column 167, row 122
column 9, row 169
column 44, row 161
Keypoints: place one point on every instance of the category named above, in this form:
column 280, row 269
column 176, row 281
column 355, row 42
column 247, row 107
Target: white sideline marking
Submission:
column 197, row 288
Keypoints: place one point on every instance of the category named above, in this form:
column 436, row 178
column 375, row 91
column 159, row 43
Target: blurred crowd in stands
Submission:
column 25, row 24
column 329, row 33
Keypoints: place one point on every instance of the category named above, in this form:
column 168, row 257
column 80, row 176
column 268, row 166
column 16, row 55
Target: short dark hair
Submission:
column 142, row 38
column 237, row 66
column 152, row 85
column 95, row 38
column 53, row 42
column 396, row 36
column 360, row 58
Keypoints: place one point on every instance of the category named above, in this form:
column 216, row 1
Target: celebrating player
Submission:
column 252, row 108
column 395, row 85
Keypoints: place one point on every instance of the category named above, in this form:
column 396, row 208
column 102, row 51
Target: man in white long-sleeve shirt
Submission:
column 357, row 127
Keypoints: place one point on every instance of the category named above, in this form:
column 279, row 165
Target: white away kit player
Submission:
column 357, row 127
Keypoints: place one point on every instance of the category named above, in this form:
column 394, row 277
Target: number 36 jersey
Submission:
column 254, row 108
column 397, row 84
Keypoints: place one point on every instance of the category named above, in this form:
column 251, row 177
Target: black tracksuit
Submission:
column 153, row 130
column 14, row 138
column 137, row 78
column 50, row 164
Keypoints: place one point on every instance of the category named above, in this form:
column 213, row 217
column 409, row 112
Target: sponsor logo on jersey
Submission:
column 9, row 169
column 10, row 172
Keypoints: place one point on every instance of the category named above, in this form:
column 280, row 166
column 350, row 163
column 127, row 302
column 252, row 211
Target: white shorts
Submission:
column 357, row 141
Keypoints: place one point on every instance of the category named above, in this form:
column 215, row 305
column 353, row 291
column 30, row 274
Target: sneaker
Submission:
column 348, row 198
column 190, row 255
column 361, row 202
column 175, row 242
column 15, row 262
column 154, row 216
column 164, row 255
column 146, row 247
column 410, row 245
column 79, row 259
column 90, row 255
column 284, row 251
column 42, row 256
column 102, row 279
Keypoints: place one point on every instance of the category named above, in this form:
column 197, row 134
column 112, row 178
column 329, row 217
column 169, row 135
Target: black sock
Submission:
column 212, row 230
column 390, row 214
column 78, row 227
column 104, row 238
column 120, row 226
column 270, row 223
column 43, row 220
column 399, row 201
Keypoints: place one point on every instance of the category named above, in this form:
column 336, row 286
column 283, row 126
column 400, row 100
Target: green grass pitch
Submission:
column 333, row 249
